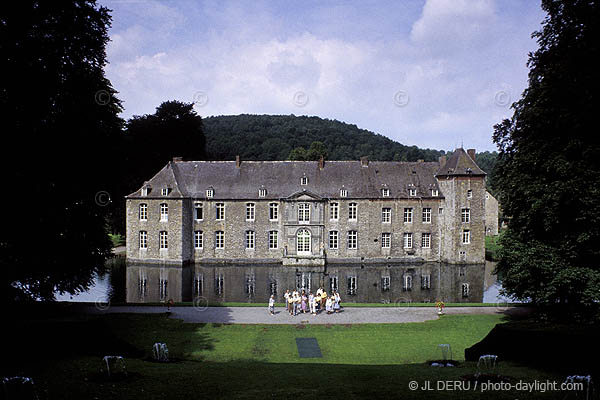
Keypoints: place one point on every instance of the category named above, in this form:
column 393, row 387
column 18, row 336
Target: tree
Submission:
column 61, row 114
column 549, row 167
column 152, row 140
column 298, row 154
column 316, row 151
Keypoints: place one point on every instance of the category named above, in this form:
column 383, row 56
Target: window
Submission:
column 163, row 239
column 145, row 191
column 427, row 215
column 198, row 285
column 250, row 211
column 465, row 290
column 465, row 215
column 304, row 180
column 426, row 240
column 219, row 283
column 440, row 211
column 408, row 215
column 462, row 256
column 333, row 283
column 250, row 285
column 143, row 240
column 435, row 193
column 352, row 214
column 469, row 194
column 303, row 212
column 407, row 240
column 273, row 287
column 466, row 236
column 210, row 193
column 164, row 212
column 198, row 236
column 262, row 192
column 250, row 239
column 425, row 282
column 333, row 239
column 351, row 285
column 303, row 241
column 385, row 192
column 334, row 211
column 386, row 215
column 273, row 211
column 164, row 191
column 220, row 211
column 352, row 239
column 386, row 240
column 163, row 292
column 343, row 193
column 412, row 192
column 219, row 240
column 407, row 283
column 198, row 212
column 273, row 240
column 385, row 283
column 143, row 212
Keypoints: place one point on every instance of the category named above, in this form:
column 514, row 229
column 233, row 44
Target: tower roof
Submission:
column 460, row 164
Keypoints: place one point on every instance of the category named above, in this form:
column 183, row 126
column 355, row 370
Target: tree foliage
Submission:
column 548, row 166
column 274, row 137
column 61, row 114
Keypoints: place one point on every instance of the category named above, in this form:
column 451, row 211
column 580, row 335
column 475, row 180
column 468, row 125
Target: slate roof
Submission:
column 281, row 179
column 459, row 164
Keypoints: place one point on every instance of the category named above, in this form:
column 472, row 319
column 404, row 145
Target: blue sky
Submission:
column 435, row 73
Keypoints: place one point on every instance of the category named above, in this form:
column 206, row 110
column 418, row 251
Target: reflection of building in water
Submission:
column 374, row 283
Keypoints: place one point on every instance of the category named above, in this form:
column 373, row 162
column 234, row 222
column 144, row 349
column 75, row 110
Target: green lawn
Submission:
column 63, row 354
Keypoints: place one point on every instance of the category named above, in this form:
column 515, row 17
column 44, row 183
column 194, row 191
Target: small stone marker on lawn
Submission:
column 160, row 352
column 115, row 366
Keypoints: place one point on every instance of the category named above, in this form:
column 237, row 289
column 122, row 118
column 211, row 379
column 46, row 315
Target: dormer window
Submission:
column 469, row 194
column 164, row 191
column 385, row 192
column 145, row 191
column 262, row 192
column 304, row 180
column 210, row 193
column 343, row 192
column 412, row 192
column 435, row 193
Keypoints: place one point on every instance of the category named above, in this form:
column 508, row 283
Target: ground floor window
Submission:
column 333, row 239
column 250, row 239
column 198, row 236
column 465, row 290
column 408, row 240
column 426, row 282
column 407, row 283
column 426, row 240
column 219, row 240
column 273, row 240
column 386, row 240
column 164, row 240
column 143, row 240
column 219, row 284
column 352, row 285
column 385, row 283
column 352, row 240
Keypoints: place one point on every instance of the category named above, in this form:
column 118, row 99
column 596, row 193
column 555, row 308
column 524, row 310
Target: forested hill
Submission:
column 272, row 137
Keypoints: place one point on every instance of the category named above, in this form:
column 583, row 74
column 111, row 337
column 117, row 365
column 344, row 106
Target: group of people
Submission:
column 300, row 302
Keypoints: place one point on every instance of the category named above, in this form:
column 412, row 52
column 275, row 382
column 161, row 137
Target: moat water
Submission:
column 372, row 283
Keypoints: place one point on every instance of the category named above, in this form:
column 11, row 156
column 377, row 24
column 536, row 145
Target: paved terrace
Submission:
column 260, row 315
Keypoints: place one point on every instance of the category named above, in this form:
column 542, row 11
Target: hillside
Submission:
column 272, row 137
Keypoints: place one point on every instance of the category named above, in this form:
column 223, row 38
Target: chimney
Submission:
column 364, row 161
column 177, row 159
column 471, row 153
column 321, row 163
column 442, row 160
column 238, row 162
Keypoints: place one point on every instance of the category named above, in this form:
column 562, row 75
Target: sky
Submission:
column 432, row 73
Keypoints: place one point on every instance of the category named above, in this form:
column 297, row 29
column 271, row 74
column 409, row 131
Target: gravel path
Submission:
column 349, row 315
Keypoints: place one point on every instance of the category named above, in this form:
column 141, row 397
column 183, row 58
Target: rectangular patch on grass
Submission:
column 308, row 348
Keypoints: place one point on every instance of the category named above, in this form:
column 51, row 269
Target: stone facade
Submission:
column 491, row 215
column 400, row 212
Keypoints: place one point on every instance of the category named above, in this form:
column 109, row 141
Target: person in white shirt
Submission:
column 337, row 301
column 272, row 305
column 328, row 306
column 286, row 295
column 312, row 304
